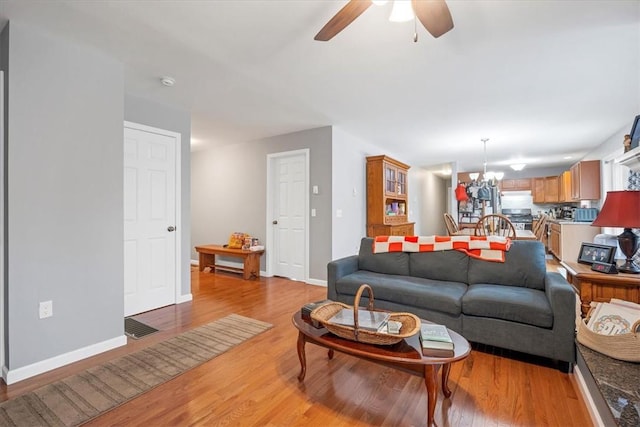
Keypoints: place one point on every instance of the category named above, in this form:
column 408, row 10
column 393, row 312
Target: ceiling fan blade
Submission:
column 344, row 17
column 434, row 15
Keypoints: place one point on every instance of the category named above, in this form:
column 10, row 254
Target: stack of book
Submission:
column 308, row 308
column 435, row 340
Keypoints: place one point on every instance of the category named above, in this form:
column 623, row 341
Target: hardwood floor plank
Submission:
column 255, row 383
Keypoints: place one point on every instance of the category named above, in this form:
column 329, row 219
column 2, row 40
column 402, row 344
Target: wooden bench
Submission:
column 251, row 260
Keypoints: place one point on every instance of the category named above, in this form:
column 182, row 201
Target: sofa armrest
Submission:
column 337, row 269
column 562, row 298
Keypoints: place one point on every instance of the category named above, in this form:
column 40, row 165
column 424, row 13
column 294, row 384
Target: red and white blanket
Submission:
column 488, row 248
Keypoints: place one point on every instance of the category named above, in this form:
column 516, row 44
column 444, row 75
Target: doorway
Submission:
column 151, row 206
column 287, row 214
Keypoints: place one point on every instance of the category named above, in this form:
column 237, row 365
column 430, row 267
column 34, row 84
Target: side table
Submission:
column 599, row 287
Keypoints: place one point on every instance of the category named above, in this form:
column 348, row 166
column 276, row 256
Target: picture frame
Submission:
column 591, row 252
column 635, row 133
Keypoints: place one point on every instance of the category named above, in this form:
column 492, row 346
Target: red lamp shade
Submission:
column 620, row 209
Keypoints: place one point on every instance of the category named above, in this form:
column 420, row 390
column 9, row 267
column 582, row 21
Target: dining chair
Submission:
column 540, row 228
column 495, row 225
column 452, row 227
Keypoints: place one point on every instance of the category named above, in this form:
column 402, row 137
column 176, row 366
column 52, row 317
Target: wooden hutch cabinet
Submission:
column 387, row 197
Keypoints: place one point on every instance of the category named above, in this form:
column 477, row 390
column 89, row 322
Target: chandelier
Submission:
column 488, row 177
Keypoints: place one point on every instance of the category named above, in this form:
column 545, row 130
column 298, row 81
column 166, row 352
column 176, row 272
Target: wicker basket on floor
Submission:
column 622, row 347
column 322, row 314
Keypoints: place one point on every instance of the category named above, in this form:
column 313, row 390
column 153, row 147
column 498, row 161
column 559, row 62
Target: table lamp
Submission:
column 622, row 209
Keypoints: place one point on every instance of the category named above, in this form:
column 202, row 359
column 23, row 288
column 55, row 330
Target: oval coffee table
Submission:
column 405, row 356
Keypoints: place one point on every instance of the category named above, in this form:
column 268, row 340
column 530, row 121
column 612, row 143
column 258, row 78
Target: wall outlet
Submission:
column 46, row 309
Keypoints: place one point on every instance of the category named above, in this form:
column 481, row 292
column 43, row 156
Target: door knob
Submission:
column 171, row 228
column 274, row 222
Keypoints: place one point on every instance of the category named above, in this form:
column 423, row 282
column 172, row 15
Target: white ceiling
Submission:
column 542, row 79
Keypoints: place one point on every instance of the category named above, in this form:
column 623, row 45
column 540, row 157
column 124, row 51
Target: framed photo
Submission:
column 590, row 252
column 635, row 133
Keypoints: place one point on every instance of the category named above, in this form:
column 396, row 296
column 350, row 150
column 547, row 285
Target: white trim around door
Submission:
column 178, row 297
column 271, row 192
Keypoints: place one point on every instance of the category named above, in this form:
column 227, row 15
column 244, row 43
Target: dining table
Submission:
column 520, row 234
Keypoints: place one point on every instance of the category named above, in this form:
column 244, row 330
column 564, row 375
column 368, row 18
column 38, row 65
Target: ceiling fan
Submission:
column 433, row 14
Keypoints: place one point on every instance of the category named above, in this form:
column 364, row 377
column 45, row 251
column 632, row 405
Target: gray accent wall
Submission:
column 229, row 192
column 64, row 196
column 349, row 175
column 430, row 196
column 167, row 117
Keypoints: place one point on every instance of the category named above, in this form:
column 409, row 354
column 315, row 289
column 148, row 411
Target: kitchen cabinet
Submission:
column 566, row 238
column 565, row 187
column 538, row 190
column 551, row 189
column 585, row 180
column 387, row 197
column 520, row 184
column 554, row 239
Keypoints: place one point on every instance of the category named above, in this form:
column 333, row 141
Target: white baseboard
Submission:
column 591, row 406
column 316, row 282
column 14, row 375
column 184, row 298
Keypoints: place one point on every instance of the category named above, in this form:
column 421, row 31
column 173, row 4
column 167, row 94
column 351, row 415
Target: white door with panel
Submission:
column 149, row 218
column 290, row 194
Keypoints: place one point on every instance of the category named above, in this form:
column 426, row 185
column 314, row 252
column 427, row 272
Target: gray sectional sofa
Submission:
column 516, row 305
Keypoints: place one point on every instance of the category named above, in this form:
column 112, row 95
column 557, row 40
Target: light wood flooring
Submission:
column 255, row 384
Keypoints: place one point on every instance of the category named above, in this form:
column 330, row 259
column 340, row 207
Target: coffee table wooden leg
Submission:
column 330, row 354
column 445, row 379
column 431, row 381
column 301, row 356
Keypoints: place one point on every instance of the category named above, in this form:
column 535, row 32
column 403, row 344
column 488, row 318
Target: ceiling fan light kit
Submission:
column 402, row 11
column 434, row 16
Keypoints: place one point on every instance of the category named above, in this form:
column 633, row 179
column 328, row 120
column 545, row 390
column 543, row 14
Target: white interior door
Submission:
column 289, row 225
column 149, row 219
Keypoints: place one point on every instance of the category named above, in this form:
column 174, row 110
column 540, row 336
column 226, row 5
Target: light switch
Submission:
column 315, row 189
column 338, row 213
column 313, row 212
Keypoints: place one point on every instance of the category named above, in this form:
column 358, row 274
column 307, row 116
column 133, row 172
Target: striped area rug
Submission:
column 79, row 398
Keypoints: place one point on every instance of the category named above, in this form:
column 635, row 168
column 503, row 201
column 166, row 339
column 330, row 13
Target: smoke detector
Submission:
column 168, row 81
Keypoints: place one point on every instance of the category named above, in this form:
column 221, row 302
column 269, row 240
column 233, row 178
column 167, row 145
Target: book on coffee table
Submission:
column 436, row 341
column 306, row 310
column 368, row 320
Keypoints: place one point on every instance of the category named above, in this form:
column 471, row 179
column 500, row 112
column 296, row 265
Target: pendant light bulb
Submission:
column 402, row 11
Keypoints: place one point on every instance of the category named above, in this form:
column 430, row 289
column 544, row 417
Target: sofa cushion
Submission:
column 524, row 266
column 440, row 265
column 516, row 304
column 436, row 295
column 388, row 262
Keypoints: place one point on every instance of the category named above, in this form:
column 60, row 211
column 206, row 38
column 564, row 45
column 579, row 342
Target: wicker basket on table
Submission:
column 622, row 346
column 322, row 314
